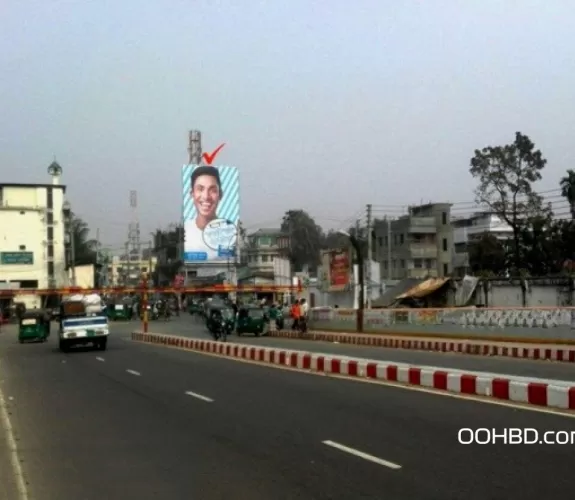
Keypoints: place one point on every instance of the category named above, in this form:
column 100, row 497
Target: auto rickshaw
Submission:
column 220, row 321
column 118, row 311
column 195, row 308
column 34, row 325
column 252, row 319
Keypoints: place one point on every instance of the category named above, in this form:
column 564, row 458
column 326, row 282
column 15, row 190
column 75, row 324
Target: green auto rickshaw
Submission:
column 252, row 319
column 34, row 325
column 195, row 308
column 118, row 311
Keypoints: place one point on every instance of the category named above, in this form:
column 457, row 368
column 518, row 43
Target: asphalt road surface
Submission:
column 145, row 422
column 193, row 327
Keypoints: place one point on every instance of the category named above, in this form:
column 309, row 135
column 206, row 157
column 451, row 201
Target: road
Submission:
column 145, row 422
column 191, row 327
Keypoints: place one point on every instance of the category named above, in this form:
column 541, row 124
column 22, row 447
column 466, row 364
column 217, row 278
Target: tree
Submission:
column 305, row 237
column 334, row 239
column 506, row 175
column 84, row 247
column 487, row 255
column 568, row 190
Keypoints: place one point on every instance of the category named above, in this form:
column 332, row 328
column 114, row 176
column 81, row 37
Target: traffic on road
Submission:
column 140, row 421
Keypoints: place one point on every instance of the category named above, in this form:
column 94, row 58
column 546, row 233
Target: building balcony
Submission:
column 423, row 251
column 422, row 225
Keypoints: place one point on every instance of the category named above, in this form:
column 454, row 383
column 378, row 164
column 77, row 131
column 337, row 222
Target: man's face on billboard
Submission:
column 206, row 196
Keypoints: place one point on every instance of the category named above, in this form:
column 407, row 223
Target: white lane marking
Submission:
column 13, row 449
column 436, row 392
column 134, row 372
column 200, row 397
column 361, row 454
column 100, row 359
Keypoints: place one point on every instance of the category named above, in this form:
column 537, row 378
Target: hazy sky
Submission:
column 324, row 105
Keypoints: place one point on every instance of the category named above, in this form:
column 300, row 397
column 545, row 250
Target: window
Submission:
column 445, row 269
column 445, row 244
column 402, row 264
column 380, row 241
column 444, row 218
column 417, row 263
column 144, row 269
column 50, row 234
column 401, row 239
column 264, row 258
column 265, row 241
column 50, row 268
column 429, row 263
column 50, row 198
column 50, row 218
column 50, row 250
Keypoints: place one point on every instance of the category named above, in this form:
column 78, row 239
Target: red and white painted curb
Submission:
column 507, row 389
column 564, row 354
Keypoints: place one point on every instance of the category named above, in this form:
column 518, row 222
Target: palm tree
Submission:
column 568, row 190
column 84, row 247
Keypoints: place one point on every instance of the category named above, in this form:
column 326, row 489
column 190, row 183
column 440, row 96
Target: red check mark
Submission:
column 210, row 157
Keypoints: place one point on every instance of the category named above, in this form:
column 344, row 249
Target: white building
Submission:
column 32, row 239
column 469, row 228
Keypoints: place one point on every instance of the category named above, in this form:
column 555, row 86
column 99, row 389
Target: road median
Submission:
column 550, row 394
column 542, row 352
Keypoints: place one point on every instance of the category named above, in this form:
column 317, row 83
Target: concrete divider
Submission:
column 539, row 325
column 474, row 347
column 492, row 386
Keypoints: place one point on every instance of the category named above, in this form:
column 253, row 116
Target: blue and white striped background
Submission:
column 229, row 207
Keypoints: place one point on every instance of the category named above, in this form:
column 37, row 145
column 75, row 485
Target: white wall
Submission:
column 23, row 228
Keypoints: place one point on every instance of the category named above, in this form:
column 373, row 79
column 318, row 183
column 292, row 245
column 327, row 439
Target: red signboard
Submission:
column 339, row 269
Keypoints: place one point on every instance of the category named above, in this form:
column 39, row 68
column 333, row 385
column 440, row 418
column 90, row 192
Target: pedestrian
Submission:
column 273, row 312
column 295, row 314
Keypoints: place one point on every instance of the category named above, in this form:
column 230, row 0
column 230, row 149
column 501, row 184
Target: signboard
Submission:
column 210, row 213
column 339, row 270
column 16, row 258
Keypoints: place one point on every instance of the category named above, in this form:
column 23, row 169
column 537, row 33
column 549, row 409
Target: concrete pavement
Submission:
column 145, row 422
column 194, row 328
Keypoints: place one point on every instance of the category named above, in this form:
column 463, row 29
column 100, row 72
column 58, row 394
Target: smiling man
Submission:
column 206, row 193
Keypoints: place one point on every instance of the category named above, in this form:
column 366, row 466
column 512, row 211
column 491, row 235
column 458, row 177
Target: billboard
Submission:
column 339, row 270
column 210, row 212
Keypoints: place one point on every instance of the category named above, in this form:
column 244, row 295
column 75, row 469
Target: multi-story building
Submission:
column 465, row 230
column 416, row 245
column 263, row 246
column 125, row 270
column 32, row 238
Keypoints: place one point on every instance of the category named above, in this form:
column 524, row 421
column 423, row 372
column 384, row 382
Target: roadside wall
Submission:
column 514, row 323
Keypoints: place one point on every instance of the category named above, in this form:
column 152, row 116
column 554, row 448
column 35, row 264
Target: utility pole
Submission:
column 150, row 258
column 128, row 264
column 98, row 269
column 369, row 256
column 388, row 227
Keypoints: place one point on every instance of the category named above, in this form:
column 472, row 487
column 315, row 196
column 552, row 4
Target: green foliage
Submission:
column 84, row 246
column 506, row 175
column 568, row 190
column 487, row 256
column 306, row 239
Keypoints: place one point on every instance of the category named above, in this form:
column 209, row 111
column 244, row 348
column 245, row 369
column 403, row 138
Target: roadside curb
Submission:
column 470, row 347
column 506, row 389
